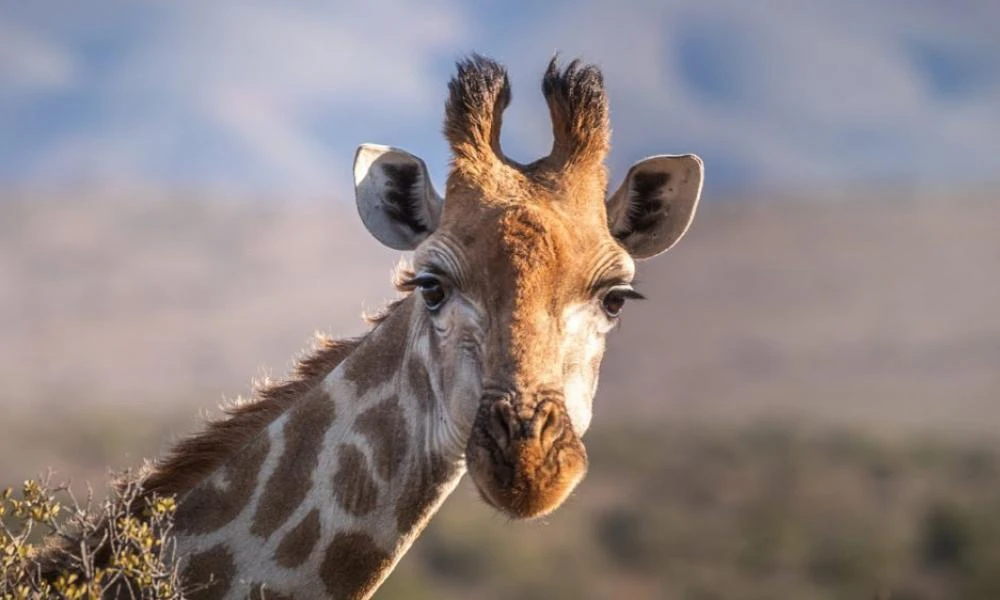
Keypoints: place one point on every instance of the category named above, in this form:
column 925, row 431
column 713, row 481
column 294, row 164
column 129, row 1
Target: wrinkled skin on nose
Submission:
column 523, row 454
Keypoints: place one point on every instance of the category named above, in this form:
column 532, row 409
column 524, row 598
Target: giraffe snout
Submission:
column 523, row 454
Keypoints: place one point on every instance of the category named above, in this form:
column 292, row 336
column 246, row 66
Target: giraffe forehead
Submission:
column 519, row 243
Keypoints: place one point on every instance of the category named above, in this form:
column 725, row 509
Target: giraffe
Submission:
column 488, row 364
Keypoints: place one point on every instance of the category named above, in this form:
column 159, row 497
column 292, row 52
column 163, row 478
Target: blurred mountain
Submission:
column 879, row 313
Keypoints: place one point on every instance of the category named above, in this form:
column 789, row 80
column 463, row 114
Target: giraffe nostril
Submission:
column 536, row 424
column 510, row 422
column 503, row 423
column 550, row 424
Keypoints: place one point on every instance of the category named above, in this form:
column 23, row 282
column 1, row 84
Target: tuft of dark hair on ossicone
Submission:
column 578, row 106
column 477, row 96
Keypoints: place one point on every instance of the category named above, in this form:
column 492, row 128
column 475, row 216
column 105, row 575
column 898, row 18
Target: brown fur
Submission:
column 420, row 387
column 209, row 574
column 423, row 482
column 385, row 427
column 376, row 349
column 353, row 566
column 292, row 478
column 298, row 543
column 353, row 485
column 213, row 508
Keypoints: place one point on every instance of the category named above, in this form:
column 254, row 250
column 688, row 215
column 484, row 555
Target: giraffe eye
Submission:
column 614, row 300
column 431, row 291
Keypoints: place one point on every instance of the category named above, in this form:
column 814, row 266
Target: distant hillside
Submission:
column 873, row 311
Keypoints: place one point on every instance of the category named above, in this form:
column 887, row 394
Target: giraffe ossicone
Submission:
column 489, row 363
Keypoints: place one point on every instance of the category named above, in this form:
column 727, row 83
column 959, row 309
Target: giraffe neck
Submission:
column 327, row 499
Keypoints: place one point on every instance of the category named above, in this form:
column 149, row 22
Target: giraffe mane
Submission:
column 196, row 457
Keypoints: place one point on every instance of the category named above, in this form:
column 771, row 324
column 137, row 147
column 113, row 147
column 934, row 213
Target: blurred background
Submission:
column 806, row 407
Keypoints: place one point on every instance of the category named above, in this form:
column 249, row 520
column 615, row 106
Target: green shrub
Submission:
column 64, row 549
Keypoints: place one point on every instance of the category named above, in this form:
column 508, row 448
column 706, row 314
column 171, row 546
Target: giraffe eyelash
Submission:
column 627, row 292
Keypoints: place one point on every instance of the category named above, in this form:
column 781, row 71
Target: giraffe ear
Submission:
column 655, row 204
column 396, row 200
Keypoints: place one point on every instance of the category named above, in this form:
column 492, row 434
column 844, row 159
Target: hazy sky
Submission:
column 274, row 97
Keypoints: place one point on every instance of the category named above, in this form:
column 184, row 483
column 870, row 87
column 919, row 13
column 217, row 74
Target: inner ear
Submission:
column 395, row 198
column 655, row 204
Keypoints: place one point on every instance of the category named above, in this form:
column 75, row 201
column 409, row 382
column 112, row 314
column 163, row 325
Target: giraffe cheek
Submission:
column 462, row 388
column 580, row 412
column 579, row 391
column 580, row 386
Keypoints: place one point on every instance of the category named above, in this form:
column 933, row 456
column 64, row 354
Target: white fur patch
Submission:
column 583, row 347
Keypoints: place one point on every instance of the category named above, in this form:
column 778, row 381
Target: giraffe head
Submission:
column 521, row 271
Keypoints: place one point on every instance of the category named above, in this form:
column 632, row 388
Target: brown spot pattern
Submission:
column 421, row 490
column 353, row 485
column 379, row 355
column 420, row 386
column 288, row 485
column 207, row 508
column 209, row 574
column 198, row 456
column 385, row 427
column 353, row 565
column 298, row 543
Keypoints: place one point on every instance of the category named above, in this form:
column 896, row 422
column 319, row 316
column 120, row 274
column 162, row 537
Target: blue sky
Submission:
column 268, row 97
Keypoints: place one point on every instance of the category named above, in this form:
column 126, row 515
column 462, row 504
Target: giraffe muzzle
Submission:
column 523, row 454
